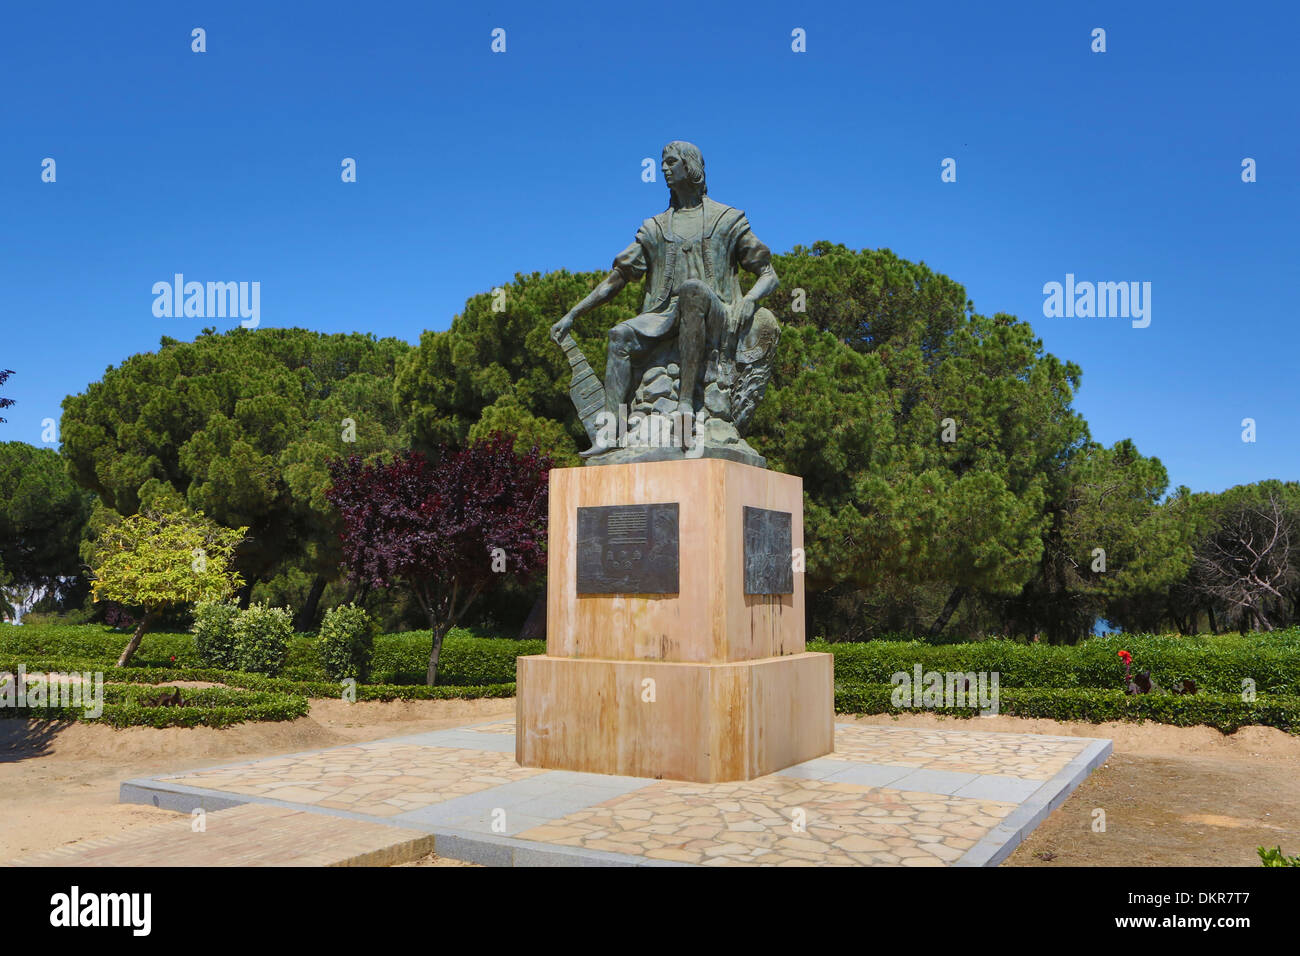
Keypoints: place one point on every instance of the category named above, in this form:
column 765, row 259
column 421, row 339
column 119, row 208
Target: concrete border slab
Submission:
column 999, row 842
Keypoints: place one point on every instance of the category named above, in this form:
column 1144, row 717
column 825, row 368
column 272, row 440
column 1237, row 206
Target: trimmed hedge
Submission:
column 1217, row 663
column 321, row 690
column 99, row 643
column 466, row 660
column 1225, row 712
column 398, row 658
column 205, row 707
column 1080, row 682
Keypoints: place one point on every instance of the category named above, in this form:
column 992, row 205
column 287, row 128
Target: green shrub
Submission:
column 75, row 617
column 126, row 705
column 466, row 660
column 262, row 636
column 304, row 657
column 398, row 658
column 1225, row 712
column 319, row 689
column 97, row 642
column 214, row 633
column 346, row 643
column 1217, row 663
column 1275, row 857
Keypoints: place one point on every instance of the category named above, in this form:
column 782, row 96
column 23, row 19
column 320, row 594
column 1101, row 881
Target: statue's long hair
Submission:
column 689, row 154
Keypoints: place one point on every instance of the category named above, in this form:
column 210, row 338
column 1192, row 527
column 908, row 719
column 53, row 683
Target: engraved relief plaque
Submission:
column 628, row 549
column 768, row 552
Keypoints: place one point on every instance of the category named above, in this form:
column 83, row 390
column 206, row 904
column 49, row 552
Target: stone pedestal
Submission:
column 675, row 627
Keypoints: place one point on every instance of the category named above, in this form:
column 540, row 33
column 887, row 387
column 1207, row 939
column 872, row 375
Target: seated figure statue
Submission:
column 700, row 352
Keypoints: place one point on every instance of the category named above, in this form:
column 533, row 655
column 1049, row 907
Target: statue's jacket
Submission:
column 726, row 245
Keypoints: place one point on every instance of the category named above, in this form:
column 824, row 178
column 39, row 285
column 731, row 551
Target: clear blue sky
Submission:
column 1122, row 166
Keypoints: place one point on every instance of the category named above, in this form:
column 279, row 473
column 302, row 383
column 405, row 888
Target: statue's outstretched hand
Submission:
column 741, row 318
column 561, row 328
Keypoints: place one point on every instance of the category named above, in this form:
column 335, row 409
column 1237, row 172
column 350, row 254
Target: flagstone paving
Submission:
column 887, row 796
column 780, row 821
column 379, row 779
column 1031, row 756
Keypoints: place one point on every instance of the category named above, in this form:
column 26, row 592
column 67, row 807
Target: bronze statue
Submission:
column 700, row 354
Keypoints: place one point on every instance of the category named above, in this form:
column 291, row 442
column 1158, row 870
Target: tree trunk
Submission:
column 534, row 628
column 246, row 593
column 941, row 621
column 1214, row 624
column 134, row 644
column 307, row 615
column 452, row 616
column 439, row 632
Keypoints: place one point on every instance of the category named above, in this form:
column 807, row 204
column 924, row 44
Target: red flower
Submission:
column 1127, row 658
column 173, row 658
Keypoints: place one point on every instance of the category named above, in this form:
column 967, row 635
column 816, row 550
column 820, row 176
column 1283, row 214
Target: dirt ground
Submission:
column 1173, row 796
column 59, row 784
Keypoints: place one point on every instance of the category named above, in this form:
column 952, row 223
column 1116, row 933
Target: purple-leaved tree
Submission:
column 446, row 527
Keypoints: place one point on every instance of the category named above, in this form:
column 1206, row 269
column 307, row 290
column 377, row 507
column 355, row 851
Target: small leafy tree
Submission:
column 4, row 377
column 158, row 560
column 446, row 528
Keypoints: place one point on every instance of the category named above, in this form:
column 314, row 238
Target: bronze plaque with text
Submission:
column 628, row 549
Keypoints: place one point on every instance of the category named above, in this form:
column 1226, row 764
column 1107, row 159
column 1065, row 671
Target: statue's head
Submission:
column 683, row 163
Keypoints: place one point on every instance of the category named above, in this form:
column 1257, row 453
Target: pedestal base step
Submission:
column 708, row 723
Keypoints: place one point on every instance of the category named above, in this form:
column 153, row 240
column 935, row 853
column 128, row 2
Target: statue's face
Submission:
column 674, row 169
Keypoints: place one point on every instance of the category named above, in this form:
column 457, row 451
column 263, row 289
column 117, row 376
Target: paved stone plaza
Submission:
column 888, row 796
